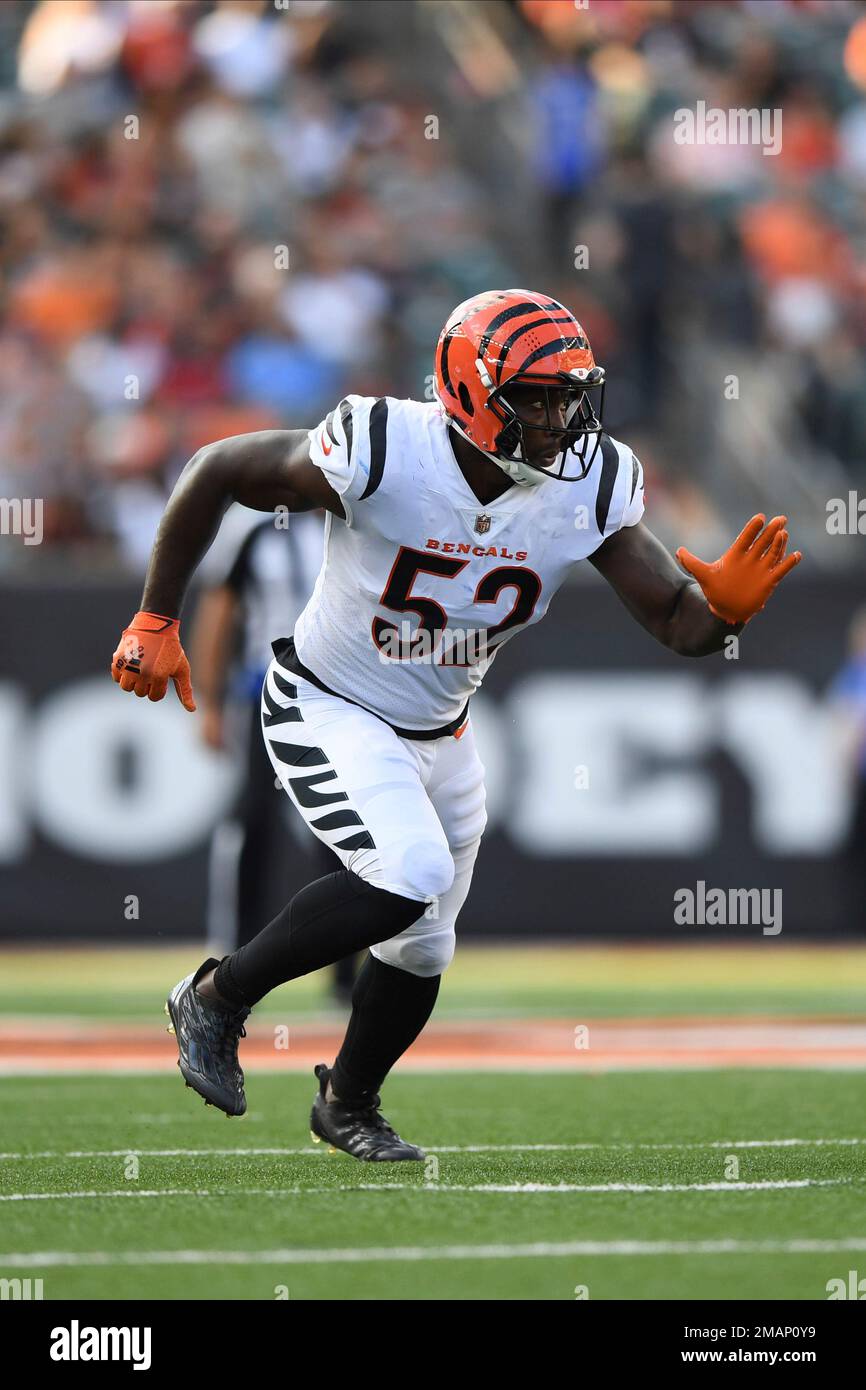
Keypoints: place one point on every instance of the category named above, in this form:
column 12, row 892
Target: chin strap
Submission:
column 518, row 472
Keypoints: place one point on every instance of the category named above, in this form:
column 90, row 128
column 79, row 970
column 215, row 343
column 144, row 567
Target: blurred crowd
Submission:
column 727, row 285
column 219, row 217
column 216, row 218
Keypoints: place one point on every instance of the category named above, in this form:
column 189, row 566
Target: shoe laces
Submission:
column 368, row 1112
column 372, row 1115
column 232, row 1033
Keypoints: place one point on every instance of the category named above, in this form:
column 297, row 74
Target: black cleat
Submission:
column 359, row 1130
column 207, row 1039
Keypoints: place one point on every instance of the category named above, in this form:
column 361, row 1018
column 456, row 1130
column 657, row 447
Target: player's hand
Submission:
column 149, row 655
column 737, row 585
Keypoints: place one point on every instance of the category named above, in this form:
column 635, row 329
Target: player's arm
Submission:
column 694, row 615
column 265, row 470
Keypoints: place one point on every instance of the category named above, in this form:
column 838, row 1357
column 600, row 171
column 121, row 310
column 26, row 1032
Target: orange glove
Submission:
column 738, row 585
column 148, row 655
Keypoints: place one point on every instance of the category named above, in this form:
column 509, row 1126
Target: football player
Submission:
column 450, row 526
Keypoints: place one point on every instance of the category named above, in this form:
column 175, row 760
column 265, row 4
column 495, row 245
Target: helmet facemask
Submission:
column 580, row 434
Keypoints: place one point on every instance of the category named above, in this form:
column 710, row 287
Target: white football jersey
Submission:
column 422, row 584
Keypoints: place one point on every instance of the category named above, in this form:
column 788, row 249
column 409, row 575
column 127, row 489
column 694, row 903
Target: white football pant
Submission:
column 405, row 815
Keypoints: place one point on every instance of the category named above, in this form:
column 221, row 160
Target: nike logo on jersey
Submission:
column 326, row 447
column 501, row 552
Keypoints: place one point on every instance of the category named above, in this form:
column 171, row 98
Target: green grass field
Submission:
column 257, row 1205
column 175, row 1201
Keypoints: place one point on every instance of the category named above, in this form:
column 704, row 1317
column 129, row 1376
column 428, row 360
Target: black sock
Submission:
column 331, row 918
column 389, row 1009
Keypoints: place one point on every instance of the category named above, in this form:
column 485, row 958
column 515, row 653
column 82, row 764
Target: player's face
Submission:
column 540, row 408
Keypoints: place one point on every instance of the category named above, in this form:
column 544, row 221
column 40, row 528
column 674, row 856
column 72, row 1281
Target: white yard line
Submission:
column 585, row 1147
column 521, row 1188
column 542, row 1249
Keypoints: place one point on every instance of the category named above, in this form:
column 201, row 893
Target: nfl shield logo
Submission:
column 482, row 523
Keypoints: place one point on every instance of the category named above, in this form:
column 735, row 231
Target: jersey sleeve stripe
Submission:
column 329, row 426
column 609, row 470
column 635, row 474
column 378, row 444
column 346, row 421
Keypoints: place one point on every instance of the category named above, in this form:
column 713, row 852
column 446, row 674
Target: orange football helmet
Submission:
column 506, row 338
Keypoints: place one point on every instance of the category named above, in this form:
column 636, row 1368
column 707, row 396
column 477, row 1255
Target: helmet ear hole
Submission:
column 465, row 398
